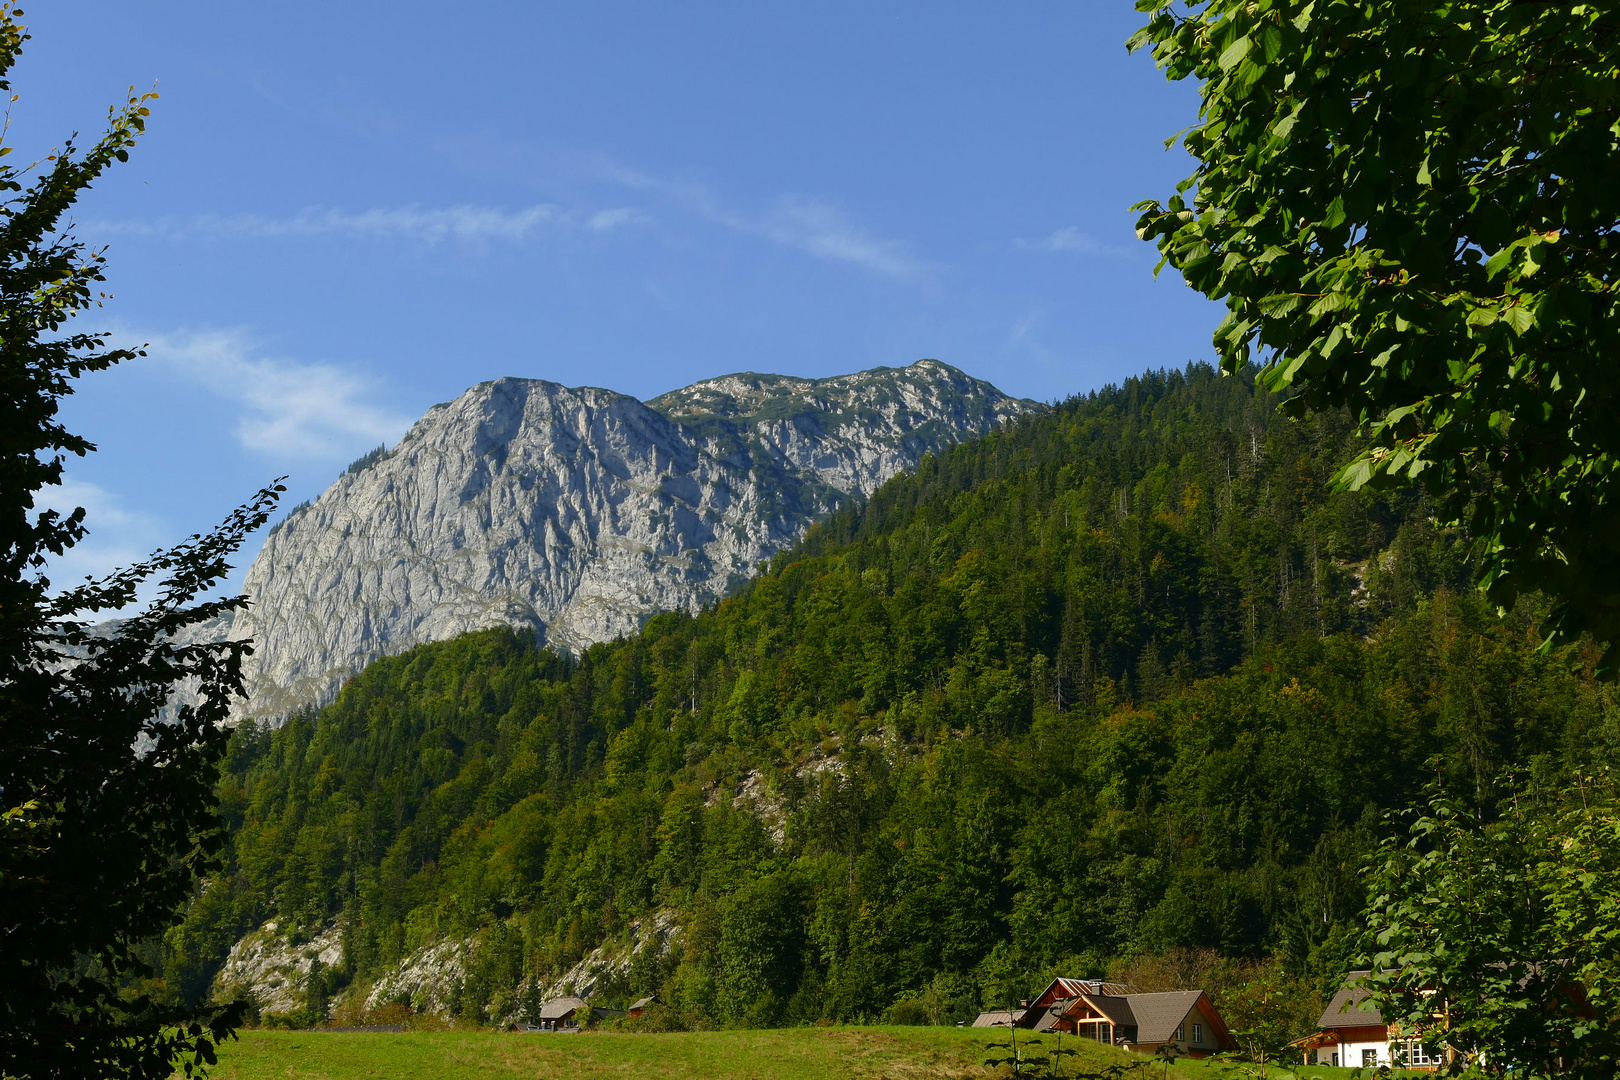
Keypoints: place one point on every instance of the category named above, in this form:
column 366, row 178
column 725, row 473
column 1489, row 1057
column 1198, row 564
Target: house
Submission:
column 570, row 1014
column 642, row 1005
column 563, row 1014
column 1183, row 1019
column 1352, row 1032
column 1059, row 990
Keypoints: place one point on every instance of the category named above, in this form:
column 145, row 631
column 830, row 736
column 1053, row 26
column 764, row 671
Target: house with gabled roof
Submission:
column 1184, row 1020
column 570, row 1014
column 1060, row 989
column 1352, row 1032
column 1108, row 1012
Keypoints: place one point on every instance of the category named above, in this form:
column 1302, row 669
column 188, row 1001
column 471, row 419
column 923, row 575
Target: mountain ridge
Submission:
column 1121, row 679
column 578, row 512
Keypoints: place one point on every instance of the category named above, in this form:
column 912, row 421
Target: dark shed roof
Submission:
column 1117, row 1009
column 1049, row 1016
column 1347, row 1008
column 999, row 1018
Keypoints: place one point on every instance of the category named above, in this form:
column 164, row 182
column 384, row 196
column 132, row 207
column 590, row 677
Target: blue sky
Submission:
column 344, row 213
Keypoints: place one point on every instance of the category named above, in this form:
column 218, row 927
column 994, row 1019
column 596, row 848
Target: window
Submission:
column 1198, row 1034
column 1335, row 1059
column 1181, row 1033
column 1413, row 1052
column 1369, row 1057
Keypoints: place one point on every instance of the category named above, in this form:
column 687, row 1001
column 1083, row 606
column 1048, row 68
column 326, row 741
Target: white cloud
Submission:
column 612, row 219
column 796, row 221
column 1072, row 241
column 810, row 225
column 1068, row 239
column 292, row 408
column 415, row 223
column 465, row 223
column 824, row 230
column 117, row 537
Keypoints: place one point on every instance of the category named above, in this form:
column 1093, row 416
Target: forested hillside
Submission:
column 1120, row 678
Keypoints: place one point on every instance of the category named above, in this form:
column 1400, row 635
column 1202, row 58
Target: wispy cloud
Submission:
column 612, row 219
column 825, row 231
column 465, row 223
column 1071, row 241
column 118, row 535
column 807, row 224
column 290, row 407
column 811, row 225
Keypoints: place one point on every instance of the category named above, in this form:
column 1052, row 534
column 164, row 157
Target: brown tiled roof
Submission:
column 1346, row 1008
column 1158, row 1015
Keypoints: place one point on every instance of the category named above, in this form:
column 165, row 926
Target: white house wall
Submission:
column 1350, row 1053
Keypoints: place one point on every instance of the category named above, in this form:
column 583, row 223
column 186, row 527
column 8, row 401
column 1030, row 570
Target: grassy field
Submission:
column 869, row 1053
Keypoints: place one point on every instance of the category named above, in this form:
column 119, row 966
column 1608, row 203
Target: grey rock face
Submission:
column 578, row 512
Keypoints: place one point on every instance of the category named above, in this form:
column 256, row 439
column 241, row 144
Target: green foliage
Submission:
column 1118, row 679
column 1410, row 209
column 275, row 526
column 366, row 460
column 1500, row 939
column 107, row 809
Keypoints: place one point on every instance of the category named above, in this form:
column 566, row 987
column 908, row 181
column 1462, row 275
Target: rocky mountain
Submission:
column 578, row 512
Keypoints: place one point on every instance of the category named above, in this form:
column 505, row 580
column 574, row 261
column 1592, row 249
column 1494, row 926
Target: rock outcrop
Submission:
column 578, row 512
column 273, row 968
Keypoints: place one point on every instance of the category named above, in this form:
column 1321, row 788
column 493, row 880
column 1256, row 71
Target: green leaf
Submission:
column 1326, row 305
column 1234, row 53
column 1279, row 305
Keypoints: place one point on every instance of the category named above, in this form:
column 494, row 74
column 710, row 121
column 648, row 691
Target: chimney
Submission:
column 1023, row 1003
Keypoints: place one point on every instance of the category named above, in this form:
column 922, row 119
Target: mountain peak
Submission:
column 750, row 397
column 578, row 512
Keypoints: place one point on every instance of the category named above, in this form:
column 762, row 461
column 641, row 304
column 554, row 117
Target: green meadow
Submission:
column 803, row 1053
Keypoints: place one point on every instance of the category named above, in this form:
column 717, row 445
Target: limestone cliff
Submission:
column 578, row 512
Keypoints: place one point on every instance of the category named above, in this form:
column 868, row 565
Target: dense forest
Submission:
column 1121, row 679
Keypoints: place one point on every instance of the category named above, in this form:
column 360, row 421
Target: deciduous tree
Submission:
column 107, row 809
column 1410, row 211
column 1499, row 940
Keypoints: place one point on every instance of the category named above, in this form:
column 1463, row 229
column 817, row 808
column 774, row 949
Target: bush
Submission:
column 909, row 1011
